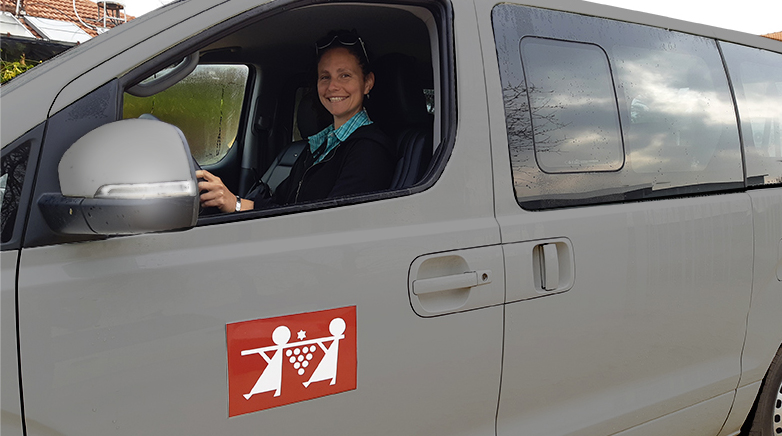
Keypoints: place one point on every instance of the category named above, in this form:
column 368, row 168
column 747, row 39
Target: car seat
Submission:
column 398, row 105
column 311, row 118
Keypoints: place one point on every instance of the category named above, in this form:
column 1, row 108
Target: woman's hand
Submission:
column 217, row 194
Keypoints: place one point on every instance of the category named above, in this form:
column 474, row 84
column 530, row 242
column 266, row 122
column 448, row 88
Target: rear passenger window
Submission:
column 672, row 126
column 757, row 81
column 600, row 111
column 575, row 122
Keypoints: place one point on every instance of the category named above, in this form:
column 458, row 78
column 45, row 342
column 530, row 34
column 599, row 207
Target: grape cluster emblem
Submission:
column 300, row 357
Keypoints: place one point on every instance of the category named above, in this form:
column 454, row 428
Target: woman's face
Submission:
column 341, row 84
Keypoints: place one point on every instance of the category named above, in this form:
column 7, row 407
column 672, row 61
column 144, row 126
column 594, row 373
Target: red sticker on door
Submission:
column 287, row 359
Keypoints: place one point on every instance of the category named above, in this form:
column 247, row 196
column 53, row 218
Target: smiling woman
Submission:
column 344, row 76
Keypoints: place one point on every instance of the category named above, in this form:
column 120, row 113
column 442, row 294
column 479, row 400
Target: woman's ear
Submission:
column 369, row 82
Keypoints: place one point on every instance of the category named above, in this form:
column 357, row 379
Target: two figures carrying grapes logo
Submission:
column 271, row 378
column 286, row 359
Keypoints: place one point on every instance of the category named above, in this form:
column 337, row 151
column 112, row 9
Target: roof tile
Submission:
column 63, row 10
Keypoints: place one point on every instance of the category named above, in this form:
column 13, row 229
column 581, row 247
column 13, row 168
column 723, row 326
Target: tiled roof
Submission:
column 775, row 35
column 62, row 10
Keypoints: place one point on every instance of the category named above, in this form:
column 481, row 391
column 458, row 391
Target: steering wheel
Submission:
column 204, row 211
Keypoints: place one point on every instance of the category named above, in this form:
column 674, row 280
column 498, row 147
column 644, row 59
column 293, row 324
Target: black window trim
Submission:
column 735, row 102
column 34, row 137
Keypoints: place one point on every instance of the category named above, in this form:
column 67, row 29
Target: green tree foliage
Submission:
column 13, row 68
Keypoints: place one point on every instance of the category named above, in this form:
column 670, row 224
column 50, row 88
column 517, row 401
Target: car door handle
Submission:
column 550, row 267
column 538, row 268
column 468, row 279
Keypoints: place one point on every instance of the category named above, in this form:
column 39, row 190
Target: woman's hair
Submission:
column 348, row 39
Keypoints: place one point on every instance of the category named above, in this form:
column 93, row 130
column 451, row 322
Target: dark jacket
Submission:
column 364, row 162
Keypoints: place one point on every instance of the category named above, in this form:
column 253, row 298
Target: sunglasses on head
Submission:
column 343, row 38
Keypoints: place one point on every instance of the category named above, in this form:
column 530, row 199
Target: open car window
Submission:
column 240, row 109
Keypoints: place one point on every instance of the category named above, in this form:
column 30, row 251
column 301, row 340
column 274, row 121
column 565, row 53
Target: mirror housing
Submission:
column 127, row 177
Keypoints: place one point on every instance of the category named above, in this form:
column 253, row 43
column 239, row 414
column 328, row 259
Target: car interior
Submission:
column 279, row 107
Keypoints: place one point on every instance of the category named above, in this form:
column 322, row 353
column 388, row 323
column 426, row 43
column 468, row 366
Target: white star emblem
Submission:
column 301, row 334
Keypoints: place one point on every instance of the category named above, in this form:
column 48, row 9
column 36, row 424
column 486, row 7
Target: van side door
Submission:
column 627, row 237
column 756, row 76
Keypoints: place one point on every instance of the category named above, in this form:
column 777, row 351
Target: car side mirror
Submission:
column 127, row 177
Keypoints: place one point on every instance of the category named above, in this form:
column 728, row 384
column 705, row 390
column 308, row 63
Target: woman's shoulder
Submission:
column 370, row 132
column 369, row 142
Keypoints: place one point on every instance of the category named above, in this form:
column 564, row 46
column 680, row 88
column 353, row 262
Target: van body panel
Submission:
column 745, row 398
column 129, row 332
column 649, row 327
column 133, row 338
column 10, row 406
column 757, row 86
column 764, row 322
column 703, row 418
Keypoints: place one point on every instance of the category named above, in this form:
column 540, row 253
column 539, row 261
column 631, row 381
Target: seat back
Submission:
column 398, row 105
column 311, row 118
column 416, row 153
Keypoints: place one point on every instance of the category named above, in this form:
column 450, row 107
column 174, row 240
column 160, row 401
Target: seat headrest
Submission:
column 311, row 116
column 397, row 99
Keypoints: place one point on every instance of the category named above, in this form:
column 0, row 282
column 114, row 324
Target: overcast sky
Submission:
column 141, row 7
column 751, row 16
column 758, row 17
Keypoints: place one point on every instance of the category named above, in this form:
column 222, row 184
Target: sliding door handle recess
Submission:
column 447, row 283
column 550, row 261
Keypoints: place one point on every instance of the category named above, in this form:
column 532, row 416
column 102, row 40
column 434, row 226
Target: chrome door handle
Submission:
column 469, row 279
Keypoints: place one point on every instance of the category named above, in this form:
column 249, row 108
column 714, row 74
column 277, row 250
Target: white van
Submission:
column 584, row 236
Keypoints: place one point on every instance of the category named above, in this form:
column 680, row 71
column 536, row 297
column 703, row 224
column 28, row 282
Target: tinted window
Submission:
column 206, row 106
column 757, row 80
column 14, row 167
column 575, row 122
column 676, row 118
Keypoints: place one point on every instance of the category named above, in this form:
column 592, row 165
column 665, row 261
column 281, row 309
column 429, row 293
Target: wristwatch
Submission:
column 238, row 204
